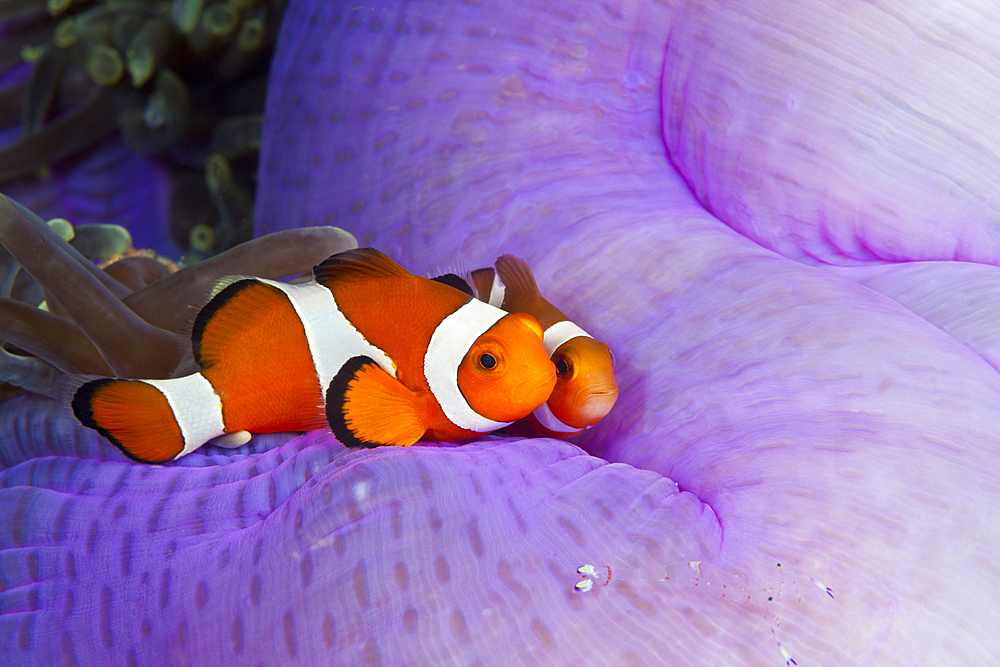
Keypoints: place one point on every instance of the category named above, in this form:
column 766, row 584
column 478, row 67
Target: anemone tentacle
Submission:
column 96, row 325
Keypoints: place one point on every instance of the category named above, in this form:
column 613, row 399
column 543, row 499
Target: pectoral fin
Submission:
column 367, row 407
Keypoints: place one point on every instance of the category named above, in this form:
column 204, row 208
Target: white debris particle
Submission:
column 360, row 491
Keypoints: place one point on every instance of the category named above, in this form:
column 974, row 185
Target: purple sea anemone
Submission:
column 166, row 96
column 781, row 218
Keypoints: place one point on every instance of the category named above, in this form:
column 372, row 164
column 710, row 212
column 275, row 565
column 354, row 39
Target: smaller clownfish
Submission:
column 366, row 349
column 585, row 388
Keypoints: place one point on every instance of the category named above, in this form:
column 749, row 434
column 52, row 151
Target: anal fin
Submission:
column 367, row 407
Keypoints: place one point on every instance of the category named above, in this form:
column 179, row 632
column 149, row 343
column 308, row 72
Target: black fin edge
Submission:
column 209, row 310
column 336, row 394
column 452, row 280
column 82, row 411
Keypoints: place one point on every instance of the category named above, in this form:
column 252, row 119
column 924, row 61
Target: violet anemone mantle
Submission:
column 782, row 220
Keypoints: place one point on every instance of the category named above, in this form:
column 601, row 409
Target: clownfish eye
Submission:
column 488, row 359
column 562, row 366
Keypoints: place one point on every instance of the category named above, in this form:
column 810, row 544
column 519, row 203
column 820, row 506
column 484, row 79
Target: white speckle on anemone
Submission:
column 360, row 491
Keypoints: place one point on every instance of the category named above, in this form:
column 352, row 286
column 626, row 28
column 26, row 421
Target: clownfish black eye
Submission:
column 487, row 361
column 562, row 366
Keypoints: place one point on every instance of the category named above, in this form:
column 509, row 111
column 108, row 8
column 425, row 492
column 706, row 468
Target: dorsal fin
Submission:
column 521, row 293
column 517, row 277
column 224, row 282
column 482, row 281
column 357, row 264
column 453, row 280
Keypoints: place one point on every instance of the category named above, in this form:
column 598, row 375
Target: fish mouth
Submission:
column 536, row 393
column 600, row 391
column 594, row 403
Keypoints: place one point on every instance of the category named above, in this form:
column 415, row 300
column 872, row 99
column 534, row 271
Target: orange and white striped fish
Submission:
column 376, row 354
column 585, row 388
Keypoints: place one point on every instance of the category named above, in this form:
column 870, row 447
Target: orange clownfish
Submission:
column 585, row 388
column 378, row 355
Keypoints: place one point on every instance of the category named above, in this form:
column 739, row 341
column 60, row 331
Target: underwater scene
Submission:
column 483, row 333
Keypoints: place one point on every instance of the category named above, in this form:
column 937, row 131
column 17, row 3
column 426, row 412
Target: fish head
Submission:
column 506, row 373
column 585, row 388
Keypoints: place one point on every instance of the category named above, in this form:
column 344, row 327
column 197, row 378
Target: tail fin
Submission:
column 134, row 415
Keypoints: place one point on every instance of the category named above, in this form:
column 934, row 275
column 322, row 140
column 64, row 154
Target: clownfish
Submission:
column 370, row 351
column 585, row 388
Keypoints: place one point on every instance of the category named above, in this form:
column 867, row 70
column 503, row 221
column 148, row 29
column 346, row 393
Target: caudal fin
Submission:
column 133, row 415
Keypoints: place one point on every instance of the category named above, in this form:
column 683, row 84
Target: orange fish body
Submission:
column 376, row 354
column 585, row 388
